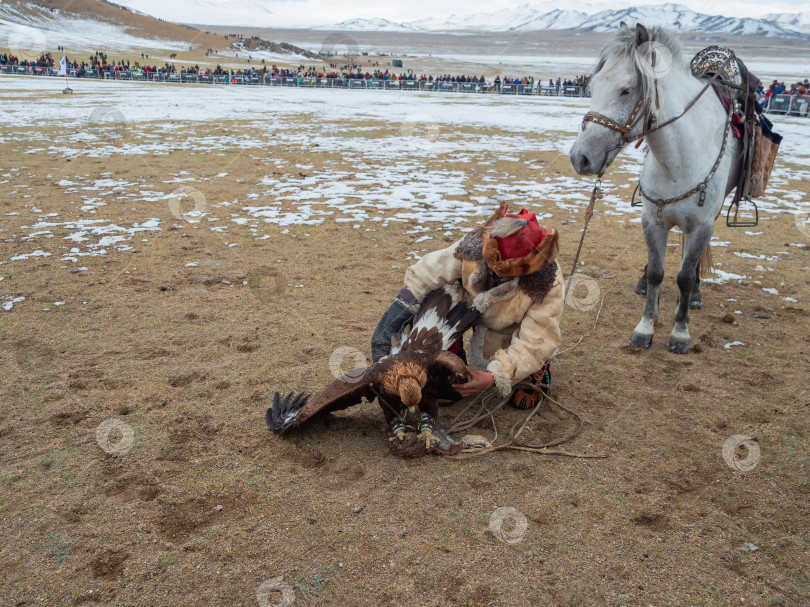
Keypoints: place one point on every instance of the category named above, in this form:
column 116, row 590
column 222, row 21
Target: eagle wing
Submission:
column 441, row 320
column 447, row 367
column 346, row 391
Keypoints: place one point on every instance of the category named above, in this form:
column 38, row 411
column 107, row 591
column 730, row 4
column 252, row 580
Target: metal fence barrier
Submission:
column 443, row 86
column 785, row 103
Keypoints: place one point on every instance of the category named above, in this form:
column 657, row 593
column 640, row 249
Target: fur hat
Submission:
column 516, row 245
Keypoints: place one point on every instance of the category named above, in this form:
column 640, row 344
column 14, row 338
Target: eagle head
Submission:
column 406, row 380
column 410, row 392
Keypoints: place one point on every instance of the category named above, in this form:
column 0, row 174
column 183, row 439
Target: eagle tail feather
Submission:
column 281, row 416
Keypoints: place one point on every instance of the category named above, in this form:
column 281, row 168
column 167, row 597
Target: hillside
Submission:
column 29, row 27
column 73, row 20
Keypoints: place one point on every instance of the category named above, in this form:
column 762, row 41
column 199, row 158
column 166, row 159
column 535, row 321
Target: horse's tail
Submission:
column 706, row 268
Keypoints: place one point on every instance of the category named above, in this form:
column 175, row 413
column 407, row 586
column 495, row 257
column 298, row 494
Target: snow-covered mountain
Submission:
column 681, row 18
column 558, row 19
column 799, row 22
column 528, row 17
column 374, row 25
column 503, row 20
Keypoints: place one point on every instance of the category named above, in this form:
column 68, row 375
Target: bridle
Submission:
column 626, row 130
column 628, row 126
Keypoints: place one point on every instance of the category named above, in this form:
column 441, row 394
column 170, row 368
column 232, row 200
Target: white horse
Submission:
column 642, row 83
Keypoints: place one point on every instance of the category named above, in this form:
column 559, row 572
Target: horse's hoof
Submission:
column 678, row 347
column 641, row 341
column 641, row 290
column 695, row 301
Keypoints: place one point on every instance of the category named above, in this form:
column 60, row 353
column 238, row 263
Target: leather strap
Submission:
column 691, row 104
column 603, row 120
column 598, row 118
column 703, row 185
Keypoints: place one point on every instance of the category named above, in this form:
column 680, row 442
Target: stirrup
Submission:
column 733, row 222
column 633, row 202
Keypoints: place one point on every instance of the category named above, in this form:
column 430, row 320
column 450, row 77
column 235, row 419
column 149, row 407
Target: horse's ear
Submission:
column 642, row 35
column 622, row 25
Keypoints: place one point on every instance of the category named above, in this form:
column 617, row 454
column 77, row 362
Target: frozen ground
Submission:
column 391, row 157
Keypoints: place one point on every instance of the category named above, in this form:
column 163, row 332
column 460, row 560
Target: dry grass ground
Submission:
column 207, row 504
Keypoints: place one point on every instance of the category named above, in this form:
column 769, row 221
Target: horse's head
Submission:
column 622, row 93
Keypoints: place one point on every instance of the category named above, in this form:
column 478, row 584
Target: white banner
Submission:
column 63, row 66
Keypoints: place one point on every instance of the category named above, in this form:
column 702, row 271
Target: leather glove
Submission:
column 399, row 313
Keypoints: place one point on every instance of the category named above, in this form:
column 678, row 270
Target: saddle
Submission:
column 737, row 86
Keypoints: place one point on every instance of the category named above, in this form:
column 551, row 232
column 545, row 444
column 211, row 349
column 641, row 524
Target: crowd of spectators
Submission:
column 99, row 62
column 779, row 88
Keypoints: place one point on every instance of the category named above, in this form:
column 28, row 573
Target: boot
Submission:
column 528, row 399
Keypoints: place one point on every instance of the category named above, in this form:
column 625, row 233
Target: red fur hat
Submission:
column 516, row 245
column 522, row 243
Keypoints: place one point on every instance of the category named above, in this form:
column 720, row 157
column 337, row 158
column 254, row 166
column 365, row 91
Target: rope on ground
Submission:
column 515, row 442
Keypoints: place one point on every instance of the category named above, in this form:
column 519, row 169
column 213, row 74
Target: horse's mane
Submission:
column 624, row 46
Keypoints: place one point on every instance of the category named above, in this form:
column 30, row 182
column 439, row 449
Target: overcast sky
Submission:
column 283, row 13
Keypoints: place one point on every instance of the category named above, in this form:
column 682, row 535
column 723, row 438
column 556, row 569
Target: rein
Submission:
column 603, row 120
column 596, row 194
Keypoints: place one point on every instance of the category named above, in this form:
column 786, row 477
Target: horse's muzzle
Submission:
column 584, row 165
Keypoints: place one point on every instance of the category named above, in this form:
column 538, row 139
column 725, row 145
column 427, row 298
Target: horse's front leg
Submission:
column 656, row 238
column 694, row 243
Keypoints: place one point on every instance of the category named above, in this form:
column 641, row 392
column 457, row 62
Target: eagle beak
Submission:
column 410, row 393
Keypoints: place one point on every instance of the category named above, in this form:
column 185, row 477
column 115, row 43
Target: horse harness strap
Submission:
column 603, row 120
column 690, row 105
column 703, row 185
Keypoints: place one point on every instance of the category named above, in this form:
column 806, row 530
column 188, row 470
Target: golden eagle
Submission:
column 417, row 371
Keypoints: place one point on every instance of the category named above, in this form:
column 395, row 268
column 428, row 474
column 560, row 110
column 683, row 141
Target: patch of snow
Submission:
column 10, row 304
column 23, row 256
column 720, row 276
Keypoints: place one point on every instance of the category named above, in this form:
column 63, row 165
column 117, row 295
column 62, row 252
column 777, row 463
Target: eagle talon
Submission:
column 431, row 440
column 398, row 432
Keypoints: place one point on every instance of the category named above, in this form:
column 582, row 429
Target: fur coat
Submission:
column 520, row 323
